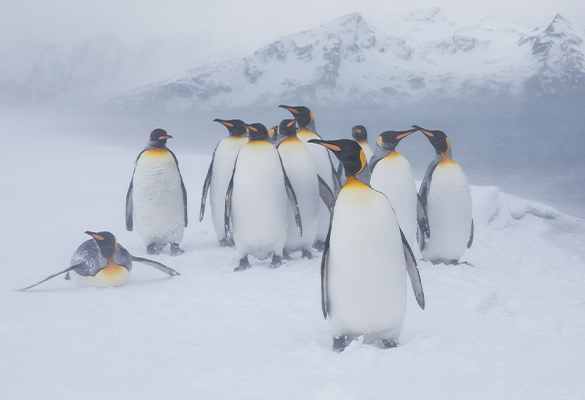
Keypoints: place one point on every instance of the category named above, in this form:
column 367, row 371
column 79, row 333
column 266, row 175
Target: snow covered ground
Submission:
column 510, row 327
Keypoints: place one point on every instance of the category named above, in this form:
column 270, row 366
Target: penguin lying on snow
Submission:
column 157, row 198
column 256, row 206
column 392, row 175
column 102, row 262
column 219, row 175
column 446, row 198
column 365, row 260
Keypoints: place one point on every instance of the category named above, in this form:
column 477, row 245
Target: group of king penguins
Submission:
column 274, row 192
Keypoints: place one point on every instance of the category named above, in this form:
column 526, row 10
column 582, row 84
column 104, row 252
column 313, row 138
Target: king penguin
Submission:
column 307, row 185
column 157, row 198
column 365, row 260
column 392, row 175
column 446, row 197
column 102, row 261
column 323, row 164
column 360, row 135
column 256, row 201
column 219, row 175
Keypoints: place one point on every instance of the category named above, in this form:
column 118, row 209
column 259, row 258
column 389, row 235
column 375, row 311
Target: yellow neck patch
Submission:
column 306, row 134
column 445, row 160
column 112, row 269
column 354, row 183
column 156, row 152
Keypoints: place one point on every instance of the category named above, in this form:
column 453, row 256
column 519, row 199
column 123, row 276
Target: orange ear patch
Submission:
column 331, row 146
column 379, row 141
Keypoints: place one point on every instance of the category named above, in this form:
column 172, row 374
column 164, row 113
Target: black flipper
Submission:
column 71, row 268
column 326, row 194
column 206, row 185
column 413, row 272
column 336, row 178
column 324, row 270
column 129, row 208
column 423, row 232
column 183, row 188
column 292, row 197
column 228, row 206
column 423, row 194
column 157, row 265
column 470, row 236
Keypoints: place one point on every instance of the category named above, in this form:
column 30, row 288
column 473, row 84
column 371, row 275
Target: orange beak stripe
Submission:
column 292, row 110
column 429, row 134
column 404, row 135
column 291, row 123
column 331, row 146
column 252, row 129
column 358, row 130
column 162, row 137
column 98, row 237
column 229, row 125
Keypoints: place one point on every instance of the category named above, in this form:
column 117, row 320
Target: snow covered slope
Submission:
column 511, row 326
column 403, row 59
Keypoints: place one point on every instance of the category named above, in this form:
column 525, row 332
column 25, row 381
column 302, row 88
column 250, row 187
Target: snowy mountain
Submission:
column 426, row 54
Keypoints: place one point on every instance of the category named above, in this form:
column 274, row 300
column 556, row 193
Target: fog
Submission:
column 530, row 149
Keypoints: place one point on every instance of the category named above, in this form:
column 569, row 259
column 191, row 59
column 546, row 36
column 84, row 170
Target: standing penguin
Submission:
column 256, row 201
column 157, row 198
column 446, row 198
column 365, row 260
column 360, row 135
column 102, row 262
column 392, row 175
column 323, row 164
column 307, row 185
column 219, row 175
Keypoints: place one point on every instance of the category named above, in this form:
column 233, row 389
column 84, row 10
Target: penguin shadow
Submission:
column 452, row 262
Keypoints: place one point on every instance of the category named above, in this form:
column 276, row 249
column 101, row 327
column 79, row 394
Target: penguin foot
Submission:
column 226, row 242
column 307, row 254
column 154, row 249
column 276, row 261
column 319, row 245
column 244, row 264
column 176, row 250
column 339, row 343
column 285, row 255
column 388, row 344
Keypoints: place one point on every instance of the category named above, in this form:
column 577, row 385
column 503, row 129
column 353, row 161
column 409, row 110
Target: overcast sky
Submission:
column 235, row 26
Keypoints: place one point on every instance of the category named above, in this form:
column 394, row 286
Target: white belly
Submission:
column 157, row 199
column 320, row 157
column 366, row 278
column 223, row 166
column 259, row 201
column 393, row 176
column 449, row 214
column 303, row 178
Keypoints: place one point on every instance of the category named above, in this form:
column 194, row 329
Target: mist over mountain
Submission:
column 509, row 97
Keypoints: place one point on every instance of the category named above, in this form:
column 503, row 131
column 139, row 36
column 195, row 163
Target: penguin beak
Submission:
column 405, row 134
column 418, row 128
column 291, row 109
column 325, row 144
column 165, row 137
column 94, row 235
column 221, row 121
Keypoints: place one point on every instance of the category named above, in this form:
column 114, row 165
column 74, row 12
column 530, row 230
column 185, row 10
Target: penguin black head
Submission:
column 388, row 140
column 359, row 133
column 257, row 132
column 302, row 115
column 287, row 127
column 158, row 138
column 236, row 127
column 349, row 152
column 273, row 134
column 438, row 139
column 106, row 242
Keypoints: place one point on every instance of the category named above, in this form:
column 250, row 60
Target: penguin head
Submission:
column 273, row 134
column 257, row 132
column 236, row 127
column 349, row 152
column 388, row 140
column 302, row 115
column 158, row 138
column 438, row 139
column 287, row 127
column 106, row 242
column 359, row 133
